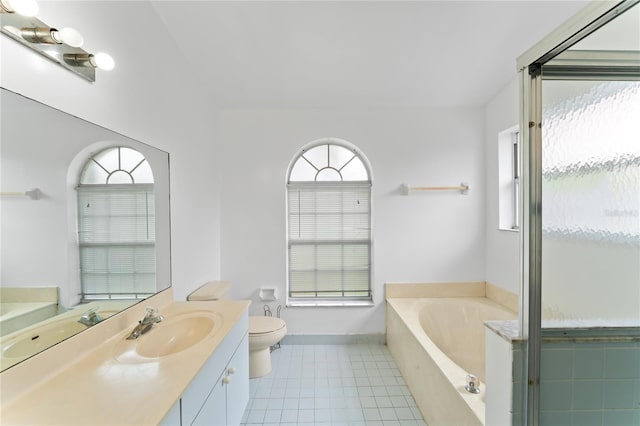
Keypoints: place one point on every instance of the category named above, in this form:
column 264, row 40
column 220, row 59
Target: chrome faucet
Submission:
column 91, row 317
column 146, row 323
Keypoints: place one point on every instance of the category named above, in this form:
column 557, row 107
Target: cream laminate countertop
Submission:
column 97, row 389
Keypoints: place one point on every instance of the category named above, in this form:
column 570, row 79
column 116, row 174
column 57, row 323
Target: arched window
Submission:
column 116, row 226
column 329, row 225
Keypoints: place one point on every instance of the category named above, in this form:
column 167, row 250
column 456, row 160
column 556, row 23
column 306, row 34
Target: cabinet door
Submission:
column 173, row 416
column 238, row 386
column 214, row 410
column 208, row 379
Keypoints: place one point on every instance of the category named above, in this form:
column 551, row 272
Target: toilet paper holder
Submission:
column 268, row 294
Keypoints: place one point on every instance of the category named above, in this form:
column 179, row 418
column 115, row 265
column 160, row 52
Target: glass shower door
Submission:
column 590, row 203
column 590, row 249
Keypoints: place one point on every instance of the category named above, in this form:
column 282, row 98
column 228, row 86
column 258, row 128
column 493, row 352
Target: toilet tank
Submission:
column 213, row 290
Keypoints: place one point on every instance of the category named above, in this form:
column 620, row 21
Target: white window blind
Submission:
column 116, row 232
column 329, row 237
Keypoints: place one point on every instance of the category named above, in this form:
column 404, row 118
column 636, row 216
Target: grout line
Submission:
column 354, row 384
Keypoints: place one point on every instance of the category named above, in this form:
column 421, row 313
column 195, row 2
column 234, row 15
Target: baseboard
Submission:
column 334, row 339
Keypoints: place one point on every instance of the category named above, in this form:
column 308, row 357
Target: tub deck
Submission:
column 425, row 336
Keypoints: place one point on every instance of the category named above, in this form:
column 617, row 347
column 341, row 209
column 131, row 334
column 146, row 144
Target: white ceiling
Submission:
column 356, row 54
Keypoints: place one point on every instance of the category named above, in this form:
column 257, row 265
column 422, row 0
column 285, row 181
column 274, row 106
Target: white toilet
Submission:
column 264, row 331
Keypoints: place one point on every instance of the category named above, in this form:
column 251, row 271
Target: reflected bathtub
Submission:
column 436, row 343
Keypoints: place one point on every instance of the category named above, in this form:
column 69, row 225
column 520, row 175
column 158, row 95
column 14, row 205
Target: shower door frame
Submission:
column 591, row 18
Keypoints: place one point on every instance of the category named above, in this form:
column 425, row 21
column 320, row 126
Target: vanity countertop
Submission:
column 98, row 389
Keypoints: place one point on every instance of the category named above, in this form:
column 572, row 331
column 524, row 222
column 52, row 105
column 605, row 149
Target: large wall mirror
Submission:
column 85, row 226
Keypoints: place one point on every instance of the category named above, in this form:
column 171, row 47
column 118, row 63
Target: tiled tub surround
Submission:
column 427, row 360
column 588, row 376
column 87, row 385
column 591, row 380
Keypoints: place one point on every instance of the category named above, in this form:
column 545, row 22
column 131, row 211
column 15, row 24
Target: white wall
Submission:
column 502, row 247
column 139, row 100
column 423, row 237
column 216, row 232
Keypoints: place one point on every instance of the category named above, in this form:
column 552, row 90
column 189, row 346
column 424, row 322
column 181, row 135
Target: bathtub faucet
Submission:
column 90, row 317
column 146, row 323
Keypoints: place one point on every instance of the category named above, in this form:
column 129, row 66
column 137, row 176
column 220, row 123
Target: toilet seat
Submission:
column 259, row 326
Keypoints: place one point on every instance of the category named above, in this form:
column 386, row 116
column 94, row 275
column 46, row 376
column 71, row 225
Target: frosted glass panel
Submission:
column 302, row 171
column 109, row 159
column 93, row 174
column 329, row 175
column 339, row 156
column 120, row 176
column 591, row 160
column 355, row 170
column 591, row 201
column 318, row 156
column 129, row 158
column 143, row 173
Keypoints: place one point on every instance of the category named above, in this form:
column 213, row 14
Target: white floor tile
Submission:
column 334, row 385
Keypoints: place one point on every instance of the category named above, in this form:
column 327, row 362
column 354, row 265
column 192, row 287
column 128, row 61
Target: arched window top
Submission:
column 329, row 161
column 116, row 165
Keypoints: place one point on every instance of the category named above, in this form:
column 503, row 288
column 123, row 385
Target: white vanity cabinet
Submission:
column 218, row 395
column 230, row 393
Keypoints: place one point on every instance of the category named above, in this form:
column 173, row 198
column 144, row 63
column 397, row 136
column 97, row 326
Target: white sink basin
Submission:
column 173, row 335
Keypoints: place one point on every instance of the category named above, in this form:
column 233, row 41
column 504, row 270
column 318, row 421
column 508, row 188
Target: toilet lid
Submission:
column 261, row 325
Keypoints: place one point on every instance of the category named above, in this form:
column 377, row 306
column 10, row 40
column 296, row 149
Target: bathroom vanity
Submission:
column 191, row 368
column 218, row 395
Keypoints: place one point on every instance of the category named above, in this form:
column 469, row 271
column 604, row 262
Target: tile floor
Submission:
column 354, row 384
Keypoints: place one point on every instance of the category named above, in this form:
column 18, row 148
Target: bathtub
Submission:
column 22, row 307
column 436, row 342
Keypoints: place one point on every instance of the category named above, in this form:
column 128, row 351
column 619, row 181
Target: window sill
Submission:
column 330, row 304
column 509, row 229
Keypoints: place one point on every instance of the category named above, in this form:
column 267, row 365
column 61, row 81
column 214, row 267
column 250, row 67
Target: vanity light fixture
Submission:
column 22, row 7
column 100, row 60
column 18, row 21
column 68, row 36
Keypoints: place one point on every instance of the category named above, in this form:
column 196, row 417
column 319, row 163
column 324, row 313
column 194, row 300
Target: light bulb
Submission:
column 23, row 7
column 69, row 36
column 102, row 61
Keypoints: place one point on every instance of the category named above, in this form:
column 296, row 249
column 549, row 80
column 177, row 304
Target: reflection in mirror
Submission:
column 116, row 226
column 94, row 239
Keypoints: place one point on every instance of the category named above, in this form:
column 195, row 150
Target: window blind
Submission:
column 116, row 233
column 329, row 238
